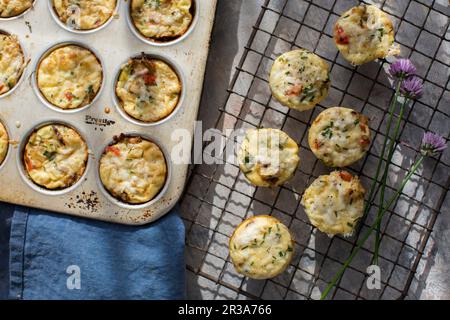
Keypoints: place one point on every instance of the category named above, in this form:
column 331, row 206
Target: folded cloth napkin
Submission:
column 61, row 257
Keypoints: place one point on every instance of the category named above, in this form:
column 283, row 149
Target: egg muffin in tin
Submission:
column 162, row 20
column 261, row 247
column 12, row 8
column 55, row 156
column 12, row 62
column 4, row 143
column 365, row 33
column 299, row 79
column 84, row 14
column 339, row 136
column 133, row 169
column 148, row 89
column 69, row 77
column 268, row 157
column 334, row 203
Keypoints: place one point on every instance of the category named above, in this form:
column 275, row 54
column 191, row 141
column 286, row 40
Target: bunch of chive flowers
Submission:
column 408, row 86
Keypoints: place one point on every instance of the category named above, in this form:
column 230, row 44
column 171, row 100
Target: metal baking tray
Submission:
column 22, row 110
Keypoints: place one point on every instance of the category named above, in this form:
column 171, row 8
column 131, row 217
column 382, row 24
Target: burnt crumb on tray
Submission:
column 84, row 201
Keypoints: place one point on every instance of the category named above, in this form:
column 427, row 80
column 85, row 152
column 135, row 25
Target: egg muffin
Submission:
column 261, row 247
column 339, row 136
column 299, row 79
column 55, row 156
column 162, row 19
column 365, row 33
column 334, row 203
column 148, row 89
column 12, row 8
column 4, row 143
column 12, row 62
column 84, row 14
column 133, row 169
column 70, row 77
column 268, row 157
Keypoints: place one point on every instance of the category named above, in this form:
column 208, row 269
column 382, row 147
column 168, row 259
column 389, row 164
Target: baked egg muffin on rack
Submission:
column 162, row 20
column 334, row 203
column 12, row 8
column 339, row 136
column 4, row 143
column 365, row 33
column 261, row 247
column 268, row 157
column 299, row 79
column 148, row 89
column 12, row 62
column 69, row 77
column 84, row 14
column 133, row 169
column 55, row 156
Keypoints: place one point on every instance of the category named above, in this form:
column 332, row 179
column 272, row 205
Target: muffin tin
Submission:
column 24, row 109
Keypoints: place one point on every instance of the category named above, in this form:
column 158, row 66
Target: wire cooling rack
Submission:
column 218, row 197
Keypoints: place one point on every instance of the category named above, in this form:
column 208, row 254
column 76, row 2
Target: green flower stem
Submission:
column 383, row 149
column 366, row 236
column 385, row 174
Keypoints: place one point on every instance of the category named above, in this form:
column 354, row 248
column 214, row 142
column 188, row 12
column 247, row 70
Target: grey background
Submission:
column 207, row 244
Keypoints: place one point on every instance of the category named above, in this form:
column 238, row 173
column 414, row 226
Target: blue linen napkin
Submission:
column 61, row 257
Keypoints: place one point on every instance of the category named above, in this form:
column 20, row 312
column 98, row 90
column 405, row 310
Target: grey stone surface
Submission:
column 218, row 198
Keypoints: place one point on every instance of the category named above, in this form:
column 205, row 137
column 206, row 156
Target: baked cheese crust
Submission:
column 133, row 169
column 55, row 156
column 261, row 247
column 12, row 62
column 12, row 8
column 4, row 143
column 299, row 79
column 334, row 203
column 159, row 19
column 268, row 157
column 148, row 89
column 84, row 14
column 70, row 77
column 365, row 33
column 339, row 136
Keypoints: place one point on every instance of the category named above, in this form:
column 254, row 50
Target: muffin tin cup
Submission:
column 76, row 31
column 157, row 43
column 23, row 173
column 8, row 151
column 22, row 76
column 20, row 14
column 43, row 55
column 121, row 203
column 179, row 105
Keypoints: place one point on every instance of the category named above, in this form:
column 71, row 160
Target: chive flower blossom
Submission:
column 412, row 87
column 432, row 144
column 402, row 68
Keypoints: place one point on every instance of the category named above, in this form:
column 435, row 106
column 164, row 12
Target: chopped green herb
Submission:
column 350, row 224
column 356, row 122
column 380, row 33
column 289, row 249
column 50, row 155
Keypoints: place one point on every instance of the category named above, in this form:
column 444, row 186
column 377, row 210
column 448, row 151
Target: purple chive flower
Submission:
column 412, row 87
column 402, row 68
column 432, row 144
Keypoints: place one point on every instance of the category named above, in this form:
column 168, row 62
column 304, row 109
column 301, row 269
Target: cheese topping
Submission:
column 339, row 136
column 70, row 77
column 55, row 156
column 268, row 157
column 159, row 19
column 261, row 247
column 4, row 143
column 84, row 14
column 12, row 62
column 133, row 169
column 299, row 79
column 148, row 89
column 365, row 33
column 12, row 8
column 334, row 203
